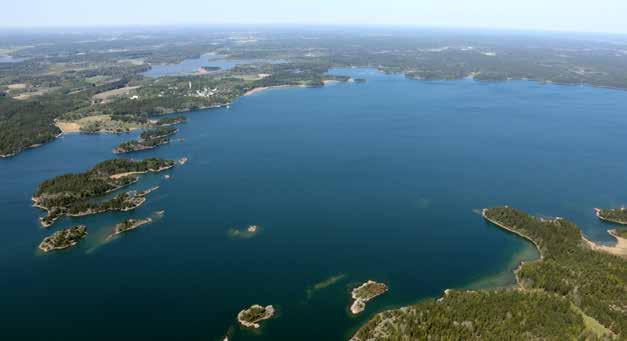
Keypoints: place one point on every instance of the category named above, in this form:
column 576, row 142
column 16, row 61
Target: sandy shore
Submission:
column 68, row 127
column 121, row 175
column 620, row 249
column 264, row 88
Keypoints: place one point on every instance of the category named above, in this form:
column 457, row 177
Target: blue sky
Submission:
column 566, row 15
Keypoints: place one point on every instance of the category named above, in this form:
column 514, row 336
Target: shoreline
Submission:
column 620, row 249
column 126, row 209
column 509, row 229
column 32, row 146
column 518, row 285
column 215, row 106
column 524, row 79
column 56, row 248
column 377, row 68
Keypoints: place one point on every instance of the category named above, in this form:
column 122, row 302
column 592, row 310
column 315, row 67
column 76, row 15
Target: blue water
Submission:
column 190, row 66
column 10, row 59
column 375, row 181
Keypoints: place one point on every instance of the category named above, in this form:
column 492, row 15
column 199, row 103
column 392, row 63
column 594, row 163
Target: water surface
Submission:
column 192, row 65
column 10, row 59
column 379, row 181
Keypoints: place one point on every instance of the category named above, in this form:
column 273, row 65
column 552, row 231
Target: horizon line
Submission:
column 92, row 27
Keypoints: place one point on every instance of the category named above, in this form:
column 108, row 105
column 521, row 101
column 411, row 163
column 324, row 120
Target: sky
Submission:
column 553, row 15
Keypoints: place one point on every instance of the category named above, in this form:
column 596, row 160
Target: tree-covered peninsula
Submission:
column 137, row 145
column 616, row 215
column 572, row 292
column 149, row 139
column 364, row 293
column 63, row 239
column 130, row 224
column 77, row 194
column 157, row 133
column 169, row 121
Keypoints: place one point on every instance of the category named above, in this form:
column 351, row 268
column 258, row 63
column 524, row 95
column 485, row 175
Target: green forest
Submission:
column 617, row 215
column 480, row 315
column 571, row 285
column 63, row 238
column 73, row 194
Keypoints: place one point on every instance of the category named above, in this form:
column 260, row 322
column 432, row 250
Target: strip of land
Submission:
column 77, row 194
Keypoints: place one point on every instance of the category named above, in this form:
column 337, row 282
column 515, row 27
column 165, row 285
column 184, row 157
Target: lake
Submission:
column 190, row 66
column 10, row 59
column 381, row 181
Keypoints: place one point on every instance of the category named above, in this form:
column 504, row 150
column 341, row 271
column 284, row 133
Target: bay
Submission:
column 380, row 180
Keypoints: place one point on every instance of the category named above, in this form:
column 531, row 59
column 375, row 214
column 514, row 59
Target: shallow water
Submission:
column 379, row 181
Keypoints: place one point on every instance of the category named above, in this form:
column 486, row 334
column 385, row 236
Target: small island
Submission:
column 149, row 139
column 145, row 192
column 130, row 224
column 74, row 194
column 364, row 293
column 616, row 215
column 63, row 239
column 252, row 316
column 210, row 68
column 251, row 231
column 135, row 145
column 159, row 132
column 170, row 121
